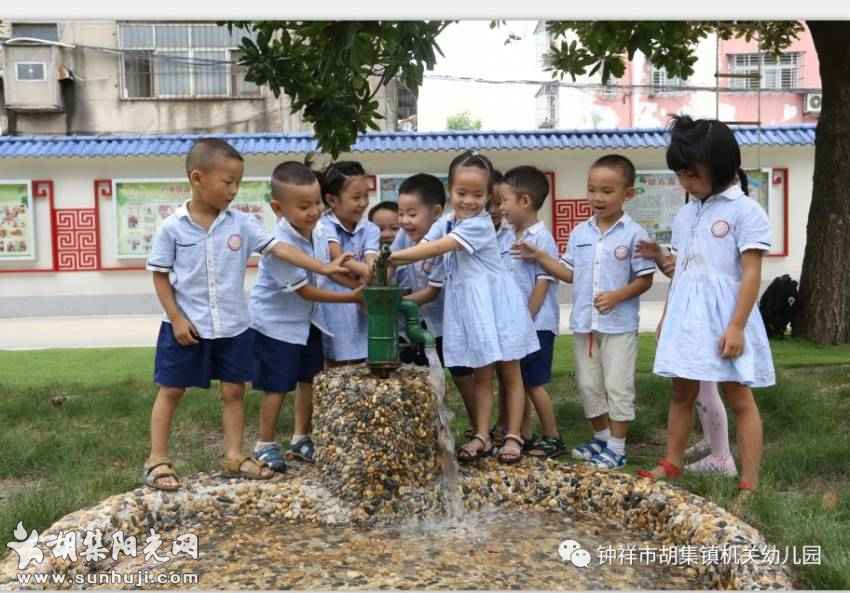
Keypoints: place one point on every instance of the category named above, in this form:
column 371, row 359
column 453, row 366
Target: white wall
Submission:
column 128, row 291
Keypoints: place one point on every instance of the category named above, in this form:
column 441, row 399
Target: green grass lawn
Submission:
column 54, row 460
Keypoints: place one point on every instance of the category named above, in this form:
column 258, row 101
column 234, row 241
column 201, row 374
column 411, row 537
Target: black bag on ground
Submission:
column 777, row 305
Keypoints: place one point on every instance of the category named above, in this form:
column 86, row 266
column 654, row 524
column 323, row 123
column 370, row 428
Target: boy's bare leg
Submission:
column 600, row 423
column 303, row 423
column 748, row 425
column 164, row 406
column 619, row 429
column 545, row 411
column 269, row 414
column 233, row 422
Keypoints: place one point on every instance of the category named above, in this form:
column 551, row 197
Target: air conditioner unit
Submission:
column 812, row 103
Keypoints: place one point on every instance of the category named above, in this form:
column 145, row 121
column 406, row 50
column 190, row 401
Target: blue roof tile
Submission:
column 178, row 144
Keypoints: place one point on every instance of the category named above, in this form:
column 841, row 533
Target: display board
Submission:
column 388, row 185
column 17, row 235
column 658, row 196
column 141, row 206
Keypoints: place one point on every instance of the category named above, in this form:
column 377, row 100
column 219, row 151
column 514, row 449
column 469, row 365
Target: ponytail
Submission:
column 742, row 179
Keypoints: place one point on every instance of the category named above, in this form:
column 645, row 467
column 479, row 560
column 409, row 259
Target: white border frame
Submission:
column 33, row 254
column 114, row 199
column 403, row 176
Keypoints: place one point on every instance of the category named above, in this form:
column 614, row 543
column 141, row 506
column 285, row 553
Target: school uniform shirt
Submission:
column 485, row 318
column 277, row 311
column 206, row 268
column 346, row 321
column 602, row 262
column 420, row 275
column 708, row 238
column 506, row 237
column 527, row 273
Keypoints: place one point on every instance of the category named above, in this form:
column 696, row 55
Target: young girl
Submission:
column 486, row 319
column 710, row 409
column 711, row 331
column 343, row 229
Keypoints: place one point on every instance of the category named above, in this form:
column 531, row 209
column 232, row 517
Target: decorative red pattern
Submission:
column 75, row 232
column 566, row 214
column 102, row 188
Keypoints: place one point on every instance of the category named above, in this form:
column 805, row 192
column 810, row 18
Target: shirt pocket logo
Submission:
column 621, row 253
column 720, row 229
column 234, row 242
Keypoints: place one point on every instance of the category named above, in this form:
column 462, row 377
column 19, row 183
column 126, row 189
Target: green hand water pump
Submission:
column 383, row 305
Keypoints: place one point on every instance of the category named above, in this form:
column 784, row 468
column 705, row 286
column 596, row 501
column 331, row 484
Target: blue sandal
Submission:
column 587, row 451
column 270, row 455
column 303, row 450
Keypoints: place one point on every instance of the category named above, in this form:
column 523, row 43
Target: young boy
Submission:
column 287, row 326
column 608, row 276
column 421, row 200
column 385, row 215
column 198, row 260
column 524, row 191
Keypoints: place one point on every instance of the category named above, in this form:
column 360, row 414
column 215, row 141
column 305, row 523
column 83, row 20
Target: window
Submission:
column 777, row 72
column 45, row 31
column 663, row 82
column 547, row 106
column 31, row 71
column 168, row 60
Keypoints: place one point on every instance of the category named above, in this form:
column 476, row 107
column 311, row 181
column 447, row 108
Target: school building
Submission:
column 77, row 213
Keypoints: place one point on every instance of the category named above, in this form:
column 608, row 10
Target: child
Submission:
column 608, row 278
column 484, row 318
column 385, row 216
column 198, row 260
column 421, row 200
column 345, row 191
column 287, row 330
column 711, row 332
column 524, row 192
column 710, row 409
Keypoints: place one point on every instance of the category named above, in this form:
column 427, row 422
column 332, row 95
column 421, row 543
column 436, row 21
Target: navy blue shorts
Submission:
column 230, row 360
column 415, row 354
column 537, row 366
column 279, row 366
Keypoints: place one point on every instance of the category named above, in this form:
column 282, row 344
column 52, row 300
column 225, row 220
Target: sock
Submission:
column 261, row 444
column 296, row 438
column 618, row 446
column 602, row 435
column 712, row 418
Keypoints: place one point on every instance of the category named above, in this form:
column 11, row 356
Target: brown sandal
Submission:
column 466, row 455
column 232, row 468
column 152, row 479
column 509, row 457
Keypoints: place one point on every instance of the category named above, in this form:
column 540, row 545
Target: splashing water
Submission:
column 450, row 484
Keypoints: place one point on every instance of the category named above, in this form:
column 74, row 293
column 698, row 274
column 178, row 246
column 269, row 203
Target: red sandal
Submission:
column 671, row 472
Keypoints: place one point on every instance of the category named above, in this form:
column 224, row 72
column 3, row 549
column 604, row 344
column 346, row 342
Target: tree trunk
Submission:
column 823, row 313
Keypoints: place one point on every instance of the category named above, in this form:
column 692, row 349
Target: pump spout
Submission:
column 413, row 325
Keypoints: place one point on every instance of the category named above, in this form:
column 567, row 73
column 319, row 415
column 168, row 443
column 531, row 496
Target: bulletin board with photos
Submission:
column 142, row 205
column 17, row 234
column 388, row 185
column 658, row 196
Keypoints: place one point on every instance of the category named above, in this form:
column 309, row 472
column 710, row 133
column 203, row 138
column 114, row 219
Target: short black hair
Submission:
column 292, row 173
column 620, row 163
column 530, row 180
column 385, row 205
column 428, row 188
column 497, row 176
column 472, row 158
column 709, row 142
column 204, row 152
column 333, row 178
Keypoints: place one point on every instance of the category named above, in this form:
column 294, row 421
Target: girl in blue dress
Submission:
column 711, row 330
column 486, row 319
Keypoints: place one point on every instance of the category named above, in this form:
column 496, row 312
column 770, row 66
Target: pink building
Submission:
column 781, row 89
